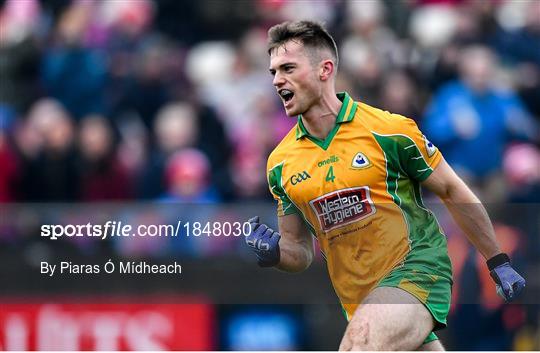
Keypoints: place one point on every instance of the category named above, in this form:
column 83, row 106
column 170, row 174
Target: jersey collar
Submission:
column 345, row 115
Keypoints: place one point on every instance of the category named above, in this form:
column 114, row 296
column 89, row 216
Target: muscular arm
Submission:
column 296, row 244
column 465, row 207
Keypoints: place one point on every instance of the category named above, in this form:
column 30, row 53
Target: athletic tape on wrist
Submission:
column 497, row 260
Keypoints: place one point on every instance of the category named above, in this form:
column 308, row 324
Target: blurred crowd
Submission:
column 172, row 100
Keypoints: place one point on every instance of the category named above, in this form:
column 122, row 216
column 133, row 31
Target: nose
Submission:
column 278, row 80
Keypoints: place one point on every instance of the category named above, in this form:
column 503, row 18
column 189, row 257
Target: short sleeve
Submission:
column 285, row 205
column 419, row 156
column 408, row 149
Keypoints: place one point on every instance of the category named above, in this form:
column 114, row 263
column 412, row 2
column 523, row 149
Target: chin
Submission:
column 294, row 112
column 291, row 113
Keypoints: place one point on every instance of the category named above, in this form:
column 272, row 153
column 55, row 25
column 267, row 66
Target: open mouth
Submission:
column 286, row 95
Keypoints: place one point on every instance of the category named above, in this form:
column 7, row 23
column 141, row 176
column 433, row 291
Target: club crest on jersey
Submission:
column 360, row 161
column 342, row 207
column 430, row 147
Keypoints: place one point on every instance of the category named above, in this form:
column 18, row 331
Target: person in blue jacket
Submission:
column 472, row 120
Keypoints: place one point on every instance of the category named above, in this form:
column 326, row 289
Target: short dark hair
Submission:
column 311, row 34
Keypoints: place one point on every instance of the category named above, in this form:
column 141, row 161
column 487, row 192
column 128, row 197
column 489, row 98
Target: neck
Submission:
column 320, row 119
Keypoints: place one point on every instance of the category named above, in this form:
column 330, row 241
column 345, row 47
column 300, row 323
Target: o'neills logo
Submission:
column 342, row 207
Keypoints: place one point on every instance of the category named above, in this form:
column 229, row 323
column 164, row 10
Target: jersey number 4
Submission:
column 330, row 175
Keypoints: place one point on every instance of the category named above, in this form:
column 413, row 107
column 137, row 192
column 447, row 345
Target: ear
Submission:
column 326, row 70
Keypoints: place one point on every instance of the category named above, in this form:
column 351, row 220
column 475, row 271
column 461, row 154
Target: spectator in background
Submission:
column 50, row 171
column 139, row 60
column 9, row 162
column 71, row 72
column 522, row 44
column 399, row 94
column 521, row 48
column 269, row 126
column 9, row 171
column 521, row 167
column 132, row 149
column 445, row 68
column 369, row 48
column 103, row 177
column 175, row 127
column 19, row 53
column 467, row 29
column 183, row 124
column 188, row 178
column 471, row 117
column 214, row 142
column 223, row 74
column 139, row 79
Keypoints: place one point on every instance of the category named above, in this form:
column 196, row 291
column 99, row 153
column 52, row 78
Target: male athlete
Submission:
column 351, row 175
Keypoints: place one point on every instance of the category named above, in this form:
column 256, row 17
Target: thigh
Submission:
column 388, row 319
column 431, row 290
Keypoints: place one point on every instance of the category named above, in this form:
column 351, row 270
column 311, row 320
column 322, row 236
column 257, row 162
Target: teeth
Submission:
column 284, row 92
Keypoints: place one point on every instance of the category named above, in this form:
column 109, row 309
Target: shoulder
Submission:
column 452, row 88
column 383, row 122
column 505, row 95
column 448, row 92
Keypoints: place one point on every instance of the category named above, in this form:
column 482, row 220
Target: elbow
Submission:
column 307, row 261
column 303, row 264
column 448, row 194
column 300, row 262
column 458, row 193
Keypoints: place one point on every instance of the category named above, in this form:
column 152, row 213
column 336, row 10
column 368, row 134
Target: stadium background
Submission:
column 153, row 111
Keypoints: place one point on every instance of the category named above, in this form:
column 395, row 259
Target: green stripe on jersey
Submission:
column 276, row 184
column 404, row 162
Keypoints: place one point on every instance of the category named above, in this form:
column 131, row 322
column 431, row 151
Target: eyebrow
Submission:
column 282, row 66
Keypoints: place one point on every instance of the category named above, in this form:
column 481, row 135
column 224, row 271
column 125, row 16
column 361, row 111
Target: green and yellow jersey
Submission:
column 358, row 191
